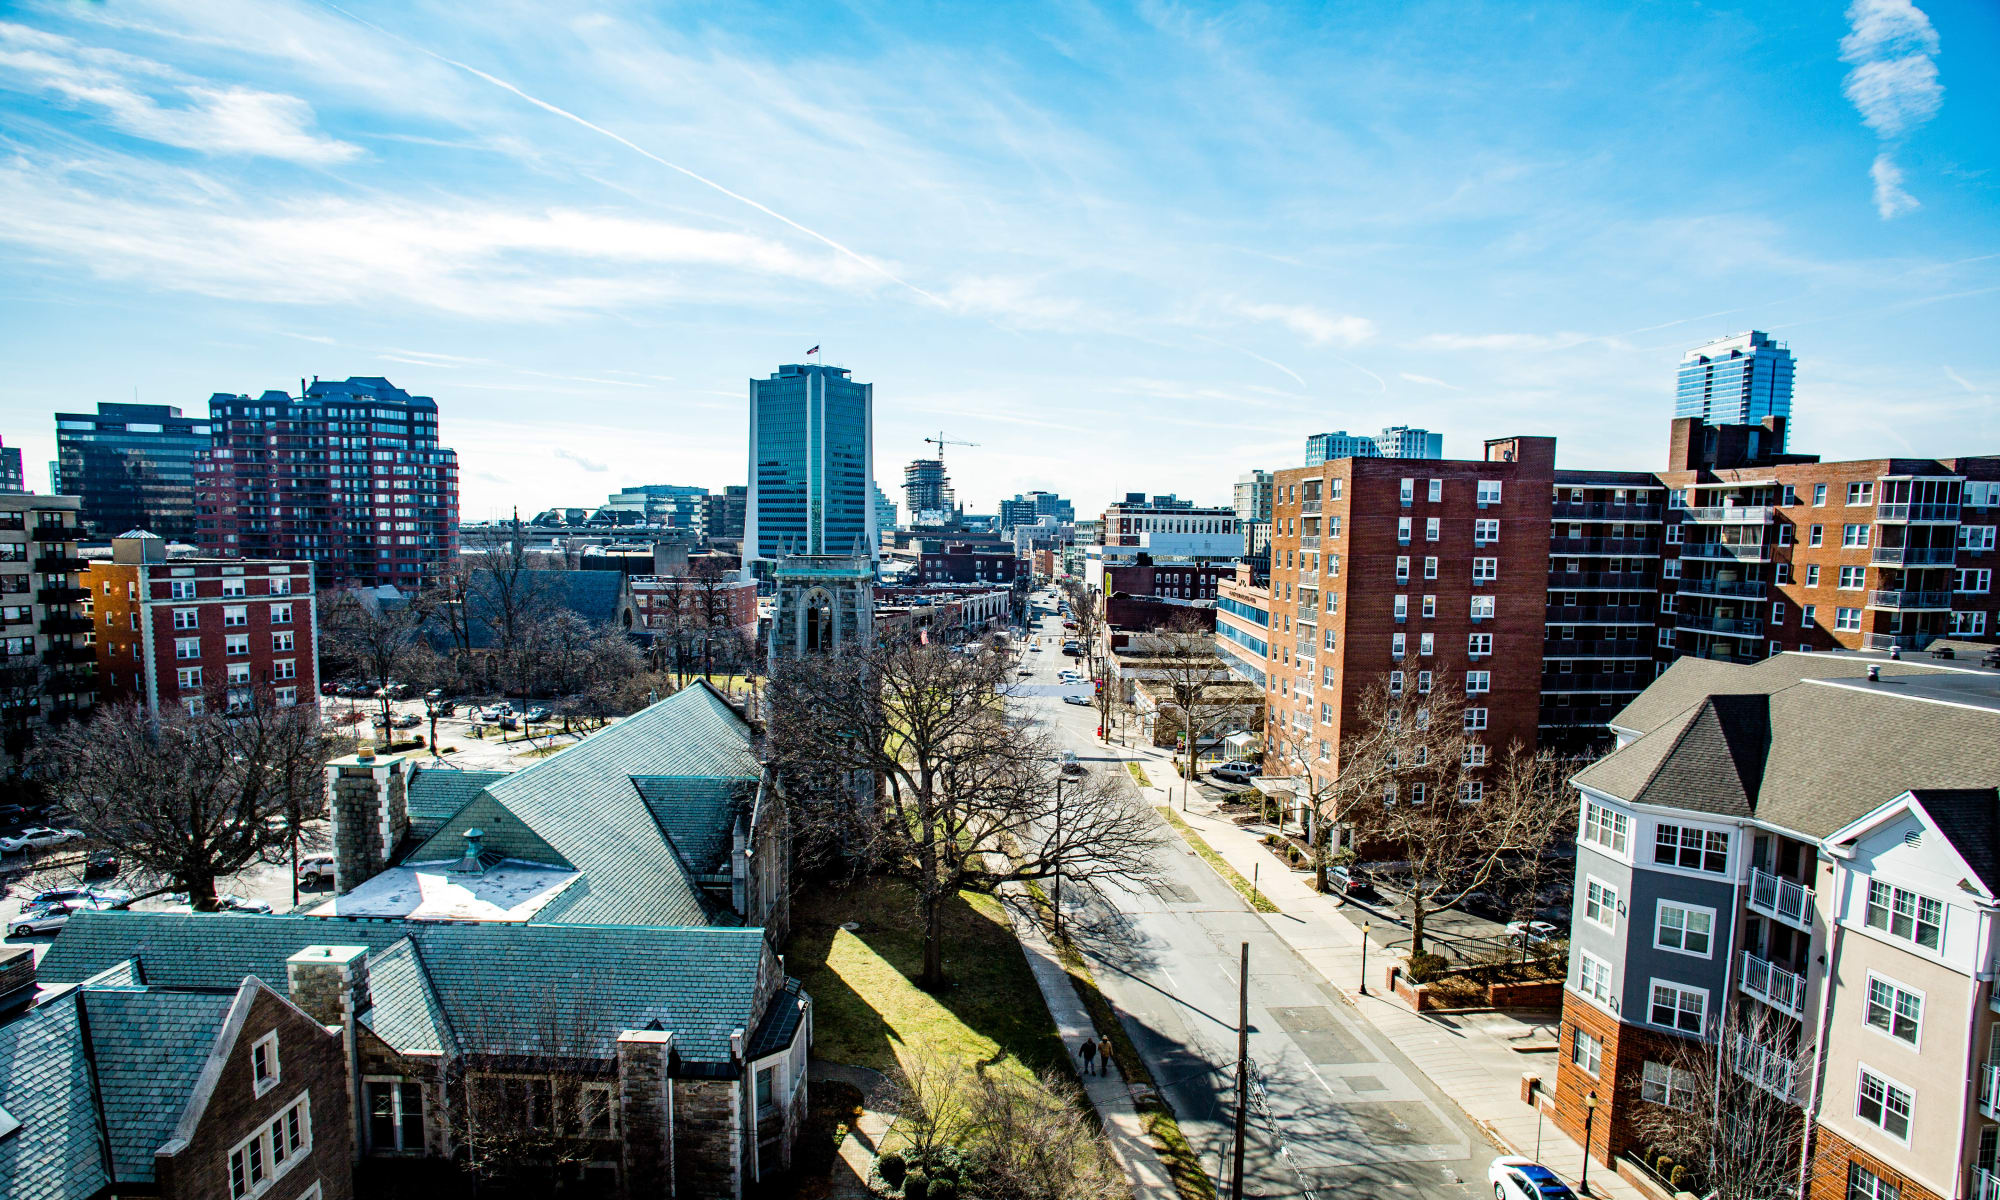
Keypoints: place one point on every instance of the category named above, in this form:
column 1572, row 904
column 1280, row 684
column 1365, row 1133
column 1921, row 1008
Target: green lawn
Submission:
column 867, row 1008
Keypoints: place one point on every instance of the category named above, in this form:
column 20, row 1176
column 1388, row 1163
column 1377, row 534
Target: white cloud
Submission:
column 1312, row 324
column 1895, row 94
column 571, row 456
column 151, row 101
column 1890, row 199
column 1501, row 341
column 1425, row 379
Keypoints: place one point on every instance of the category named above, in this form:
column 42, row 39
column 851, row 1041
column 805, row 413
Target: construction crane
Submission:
column 940, row 441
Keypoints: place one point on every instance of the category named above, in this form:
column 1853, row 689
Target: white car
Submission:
column 39, row 836
column 1534, row 933
column 227, row 902
column 1082, row 700
column 49, row 918
column 1236, row 772
column 1035, row 649
column 1525, row 1179
column 316, row 868
column 107, row 897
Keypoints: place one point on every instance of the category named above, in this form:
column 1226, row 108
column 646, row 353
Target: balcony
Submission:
column 1909, row 601
column 1985, row 1184
column 61, row 623
column 1988, row 1075
column 1774, row 985
column 1308, row 508
column 62, row 595
column 1730, row 626
column 1889, row 641
column 1605, row 510
column 1781, row 898
column 58, row 564
column 57, row 656
column 55, row 533
column 1946, row 514
column 1309, row 543
column 1912, row 556
column 1746, row 589
column 1307, row 616
column 1731, row 514
column 1600, row 581
column 1727, row 551
column 1597, row 648
column 1625, row 547
column 1768, row 1068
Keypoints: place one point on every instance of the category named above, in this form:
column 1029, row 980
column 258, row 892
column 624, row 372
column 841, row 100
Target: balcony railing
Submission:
column 1605, row 510
column 52, row 532
column 1985, row 1184
column 1597, row 648
column 1777, row 897
column 1946, row 513
column 59, row 623
column 1625, row 547
column 1598, row 614
column 1726, row 551
column 1595, row 581
column 1770, row 1069
column 1307, row 616
column 1907, row 601
column 1732, row 626
column 1309, row 543
column 59, row 564
column 1308, row 508
column 1773, row 985
column 1989, row 1089
column 62, row 595
column 1730, row 514
column 1889, row 641
column 1747, row 589
column 1912, row 556
column 57, row 656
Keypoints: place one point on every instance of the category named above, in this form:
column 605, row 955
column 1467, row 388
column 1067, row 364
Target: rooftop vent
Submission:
column 472, row 863
column 1914, row 838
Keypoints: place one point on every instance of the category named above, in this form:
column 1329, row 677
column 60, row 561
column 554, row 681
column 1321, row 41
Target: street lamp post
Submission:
column 1059, row 855
column 1589, row 1112
column 1364, row 958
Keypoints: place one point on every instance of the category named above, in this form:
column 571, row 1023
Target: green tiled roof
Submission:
column 149, row 1047
column 406, row 1012
column 437, row 793
column 698, row 812
column 57, row 1153
column 505, row 834
column 496, row 987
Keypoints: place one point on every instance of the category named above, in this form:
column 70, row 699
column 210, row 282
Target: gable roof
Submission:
column 149, row 1047
column 1970, row 819
column 59, row 1151
column 435, row 794
column 1689, row 680
column 492, row 987
column 405, row 1012
column 698, row 812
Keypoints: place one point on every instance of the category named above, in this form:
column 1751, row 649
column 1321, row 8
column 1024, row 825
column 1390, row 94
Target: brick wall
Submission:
column 1831, row 1156
column 1626, row 1050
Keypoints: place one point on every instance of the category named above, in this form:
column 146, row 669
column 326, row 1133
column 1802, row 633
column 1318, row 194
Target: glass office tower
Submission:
column 812, row 462
column 1737, row 381
column 133, row 466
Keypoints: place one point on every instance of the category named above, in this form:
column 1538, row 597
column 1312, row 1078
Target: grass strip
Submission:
column 1258, row 900
column 1155, row 1116
column 1138, row 774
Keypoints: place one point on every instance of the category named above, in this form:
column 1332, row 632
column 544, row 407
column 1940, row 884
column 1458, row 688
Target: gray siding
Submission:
column 1643, row 962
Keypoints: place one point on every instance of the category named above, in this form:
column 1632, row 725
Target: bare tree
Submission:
column 1195, row 679
column 931, row 1095
column 1089, row 618
column 1725, row 1108
column 721, row 644
column 1036, row 1141
column 189, row 798
column 379, row 639
column 1416, row 779
column 964, row 795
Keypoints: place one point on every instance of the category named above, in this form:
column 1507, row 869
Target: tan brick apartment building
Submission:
column 201, row 633
column 1417, row 574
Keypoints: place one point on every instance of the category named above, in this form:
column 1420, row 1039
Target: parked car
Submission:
column 104, row 896
column 434, row 695
column 230, row 903
column 1346, row 881
column 1532, row 933
column 1070, row 765
column 538, row 713
column 12, row 815
column 329, row 689
column 316, row 868
column 102, row 864
column 396, row 691
column 407, row 721
column 39, row 837
column 49, row 918
column 1236, row 772
column 445, row 708
column 1516, row 1178
column 1075, row 699
column 1035, row 649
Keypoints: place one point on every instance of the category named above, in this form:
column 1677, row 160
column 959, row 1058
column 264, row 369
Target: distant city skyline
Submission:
column 1124, row 250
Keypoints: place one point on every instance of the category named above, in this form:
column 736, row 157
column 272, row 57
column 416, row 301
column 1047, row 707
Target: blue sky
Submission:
column 1120, row 248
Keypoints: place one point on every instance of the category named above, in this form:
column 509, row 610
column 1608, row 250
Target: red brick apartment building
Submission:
column 669, row 602
column 1420, row 574
column 201, row 632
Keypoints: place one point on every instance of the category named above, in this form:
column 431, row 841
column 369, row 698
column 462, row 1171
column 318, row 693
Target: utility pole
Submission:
column 1060, row 836
column 1242, row 1072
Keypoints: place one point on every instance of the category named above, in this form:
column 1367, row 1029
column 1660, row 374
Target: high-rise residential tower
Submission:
column 927, row 489
column 348, row 476
column 133, row 466
column 812, row 458
column 885, row 511
column 11, row 478
column 1253, row 497
column 1397, row 441
column 1736, row 380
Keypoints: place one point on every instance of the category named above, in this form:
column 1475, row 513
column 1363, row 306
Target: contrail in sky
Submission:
column 567, row 115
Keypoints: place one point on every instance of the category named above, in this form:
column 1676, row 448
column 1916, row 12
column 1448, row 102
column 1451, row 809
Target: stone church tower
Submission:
column 825, row 602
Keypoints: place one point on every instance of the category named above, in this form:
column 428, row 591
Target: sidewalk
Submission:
column 1476, row 1059
column 1108, row 1092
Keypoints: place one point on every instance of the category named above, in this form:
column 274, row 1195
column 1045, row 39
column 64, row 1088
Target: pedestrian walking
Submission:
column 1104, row 1056
column 1088, row 1052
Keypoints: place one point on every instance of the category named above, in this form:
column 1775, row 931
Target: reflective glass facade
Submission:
column 811, row 464
column 1736, row 381
column 133, row 467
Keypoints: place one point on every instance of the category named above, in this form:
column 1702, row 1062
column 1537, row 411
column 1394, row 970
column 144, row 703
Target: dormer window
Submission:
column 264, row 1063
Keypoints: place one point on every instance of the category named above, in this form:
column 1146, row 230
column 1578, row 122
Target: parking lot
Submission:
column 456, row 744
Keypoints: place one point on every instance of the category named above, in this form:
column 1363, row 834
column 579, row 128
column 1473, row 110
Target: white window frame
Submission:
column 1485, row 531
column 1602, row 992
column 1681, row 992
column 1863, row 1074
column 1475, row 720
column 187, row 618
column 1974, row 581
column 267, row 1048
column 259, row 1150
column 1976, row 538
column 1660, row 1083
column 1485, row 570
column 1898, row 991
column 1603, row 897
column 235, row 617
column 1890, row 910
column 1478, row 645
column 1586, row 1051
column 1435, row 493
column 1488, row 493
column 1854, row 535
column 1478, row 683
column 1617, row 827
column 1681, row 846
column 1662, row 908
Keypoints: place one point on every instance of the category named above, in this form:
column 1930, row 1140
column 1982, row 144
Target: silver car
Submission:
column 49, row 918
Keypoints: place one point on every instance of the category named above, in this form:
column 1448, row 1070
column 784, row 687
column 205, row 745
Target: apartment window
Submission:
column 194, row 705
column 1409, row 490
column 1660, row 1083
column 1417, row 792
column 1398, row 644
column 1684, row 929
column 1593, row 977
column 1426, row 644
column 1489, row 491
column 1690, row 848
column 1670, row 569
column 236, row 643
column 1334, row 487
column 281, row 587
column 1332, row 641
column 284, row 668
column 1402, row 607
column 1854, row 536
column 1782, row 571
column 189, row 678
column 1478, row 683
column 1975, row 580
column 1431, row 529
column 1864, row 1184
column 264, row 1063
column 1325, row 713
column 1678, row 1007
column 1905, row 914
column 1777, row 614
column 1471, row 791
column 232, row 587
column 1885, row 1105
column 1430, row 607
column 281, row 614
column 1851, row 577
column 1788, row 496
column 1402, row 568
column 1436, row 492
column 1812, row 575
column 1975, row 537
column 1786, row 534
column 1395, row 683
column 1676, row 535
column 1430, row 568
column 1894, row 1009
column 187, row 647
column 1403, row 531
column 1860, row 493
column 395, row 1114
column 1485, row 531
column 1816, row 535
column 239, row 673
column 1847, row 619
column 1666, row 639
column 235, row 616
column 1333, row 525
column 1478, row 645
column 283, row 640
column 1607, row 827
column 1482, row 608
column 264, row 1157
column 1968, row 622
column 1332, row 565
column 1819, row 495
column 1475, row 720
column 1475, row 755
column 1424, row 677
column 1586, row 1052
column 286, row 696
column 187, row 618
column 180, row 589
column 1485, row 570
column 1600, row 904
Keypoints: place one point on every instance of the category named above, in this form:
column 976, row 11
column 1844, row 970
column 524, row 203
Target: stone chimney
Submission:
column 17, row 976
column 645, row 1111
column 368, row 801
column 329, row 982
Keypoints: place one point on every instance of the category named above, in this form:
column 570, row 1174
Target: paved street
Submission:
column 1338, row 1110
